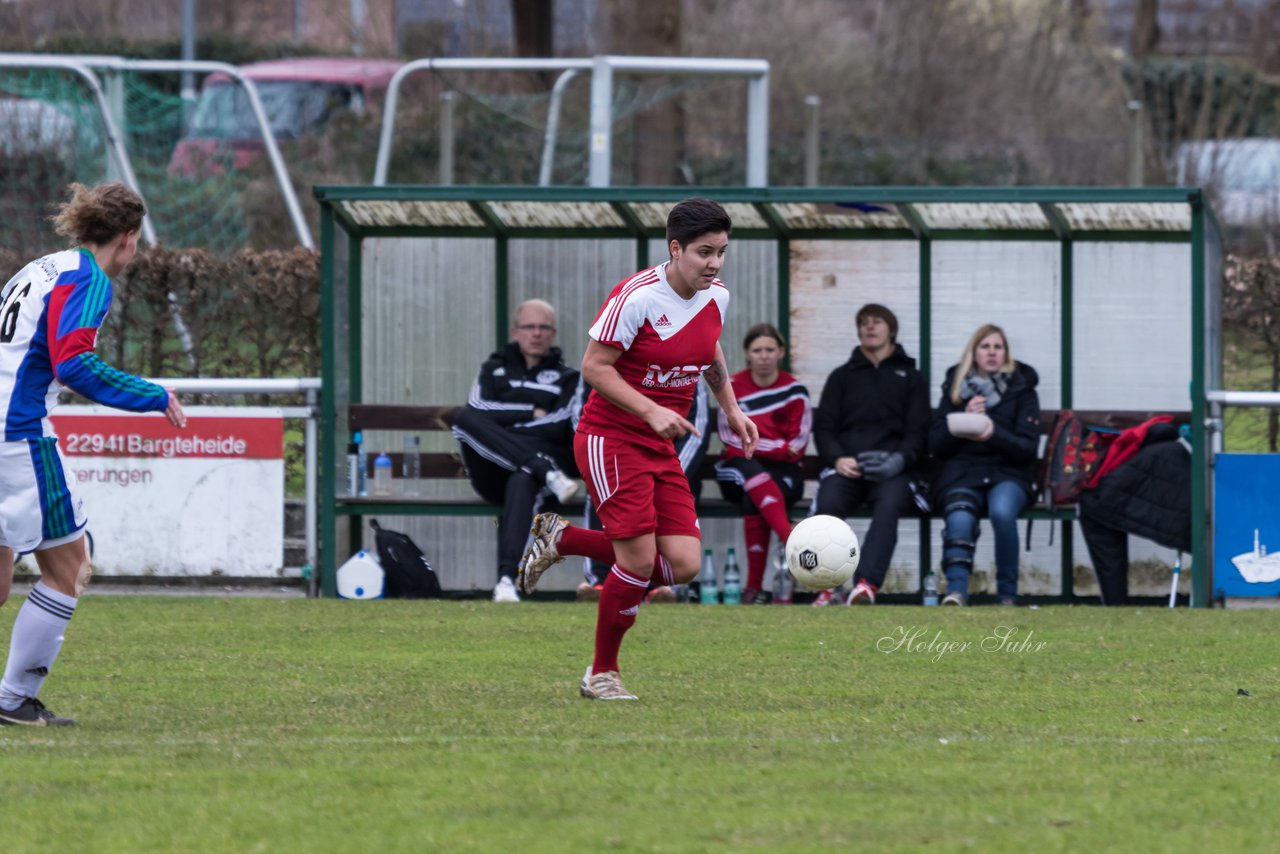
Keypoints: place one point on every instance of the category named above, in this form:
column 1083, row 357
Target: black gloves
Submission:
column 879, row 466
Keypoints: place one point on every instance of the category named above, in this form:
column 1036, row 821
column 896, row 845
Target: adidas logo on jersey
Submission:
column 661, row 322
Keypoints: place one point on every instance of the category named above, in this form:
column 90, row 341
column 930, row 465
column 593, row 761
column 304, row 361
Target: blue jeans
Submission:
column 962, row 508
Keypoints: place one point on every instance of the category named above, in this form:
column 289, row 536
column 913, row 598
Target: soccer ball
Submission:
column 822, row 552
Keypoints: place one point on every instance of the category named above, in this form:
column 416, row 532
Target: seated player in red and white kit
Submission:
column 766, row 485
column 657, row 333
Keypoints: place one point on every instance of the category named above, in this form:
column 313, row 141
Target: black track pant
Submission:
column 1109, row 554
column 509, row 470
column 839, row 495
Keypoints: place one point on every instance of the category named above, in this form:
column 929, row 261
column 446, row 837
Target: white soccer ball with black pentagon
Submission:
column 822, row 552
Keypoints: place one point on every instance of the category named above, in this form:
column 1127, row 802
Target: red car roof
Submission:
column 321, row 69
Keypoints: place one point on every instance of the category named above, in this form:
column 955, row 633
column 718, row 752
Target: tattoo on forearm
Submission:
column 715, row 376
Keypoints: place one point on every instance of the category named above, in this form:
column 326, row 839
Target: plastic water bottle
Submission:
column 930, row 585
column 708, row 585
column 732, row 580
column 353, row 469
column 783, row 583
column 412, row 467
column 382, row 475
column 362, row 466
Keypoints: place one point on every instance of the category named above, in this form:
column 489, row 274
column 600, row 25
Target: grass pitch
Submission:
column 268, row 725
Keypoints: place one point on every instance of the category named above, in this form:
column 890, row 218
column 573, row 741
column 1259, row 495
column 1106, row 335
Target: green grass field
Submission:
column 291, row 725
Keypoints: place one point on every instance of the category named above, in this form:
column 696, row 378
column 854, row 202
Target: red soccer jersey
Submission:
column 666, row 343
column 782, row 413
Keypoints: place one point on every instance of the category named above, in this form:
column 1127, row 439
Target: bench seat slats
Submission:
column 448, row 465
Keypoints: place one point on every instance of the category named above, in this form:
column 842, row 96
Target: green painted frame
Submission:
column 333, row 218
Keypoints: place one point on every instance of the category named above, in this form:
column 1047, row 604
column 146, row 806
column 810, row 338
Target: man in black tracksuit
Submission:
column 516, row 433
column 870, row 427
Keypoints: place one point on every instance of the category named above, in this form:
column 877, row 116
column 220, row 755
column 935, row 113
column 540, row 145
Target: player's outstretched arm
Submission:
column 717, row 377
column 599, row 371
column 77, row 307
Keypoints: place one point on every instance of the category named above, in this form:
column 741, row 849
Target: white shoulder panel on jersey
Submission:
column 622, row 314
column 648, row 296
column 43, row 272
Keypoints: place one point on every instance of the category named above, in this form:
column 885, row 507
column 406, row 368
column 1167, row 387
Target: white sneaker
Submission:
column 604, row 686
column 561, row 485
column 505, row 591
column 864, row 593
column 542, row 553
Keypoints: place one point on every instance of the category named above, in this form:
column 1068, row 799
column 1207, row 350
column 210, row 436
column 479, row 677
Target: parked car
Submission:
column 30, row 127
column 1242, row 177
column 299, row 96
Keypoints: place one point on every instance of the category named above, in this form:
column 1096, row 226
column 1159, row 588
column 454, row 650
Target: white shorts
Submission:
column 38, row 509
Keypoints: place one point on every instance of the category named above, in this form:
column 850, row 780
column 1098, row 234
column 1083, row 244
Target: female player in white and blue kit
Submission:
column 49, row 318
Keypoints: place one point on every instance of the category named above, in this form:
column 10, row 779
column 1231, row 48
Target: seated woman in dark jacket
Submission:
column 985, row 434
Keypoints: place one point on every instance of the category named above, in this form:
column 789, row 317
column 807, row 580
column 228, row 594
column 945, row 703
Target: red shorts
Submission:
column 636, row 490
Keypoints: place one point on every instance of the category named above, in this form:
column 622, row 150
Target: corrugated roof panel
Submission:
column 1000, row 216
column 745, row 216
column 396, row 213
column 1128, row 216
column 841, row 215
column 654, row 214
column 557, row 214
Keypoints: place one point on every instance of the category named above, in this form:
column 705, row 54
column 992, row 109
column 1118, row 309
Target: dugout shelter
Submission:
column 1111, row 294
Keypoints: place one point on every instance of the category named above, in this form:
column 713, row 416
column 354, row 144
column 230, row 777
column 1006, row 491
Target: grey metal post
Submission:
column 553, row 126
column 758, row 131
column 312, row 452
column 1136, row 146
column 811, row 104
column 357, row 27
column 113, row 87
column 446, row 138
column 298, row 22
column 188, row 48
column 601, row 145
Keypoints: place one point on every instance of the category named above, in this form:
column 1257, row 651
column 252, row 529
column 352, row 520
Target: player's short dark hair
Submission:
column 694, row 217
column 763, row 330
column 873, row 309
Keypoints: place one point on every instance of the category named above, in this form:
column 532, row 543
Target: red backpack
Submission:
column 1074, row 453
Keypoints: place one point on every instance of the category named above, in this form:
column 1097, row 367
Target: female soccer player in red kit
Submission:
column 657, row 333
column 767, row 485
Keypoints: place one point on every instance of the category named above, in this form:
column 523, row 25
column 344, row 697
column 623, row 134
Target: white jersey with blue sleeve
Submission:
column 50, row 313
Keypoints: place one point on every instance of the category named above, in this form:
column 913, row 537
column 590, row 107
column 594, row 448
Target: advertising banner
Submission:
column 207, row 500
column 1246, row 521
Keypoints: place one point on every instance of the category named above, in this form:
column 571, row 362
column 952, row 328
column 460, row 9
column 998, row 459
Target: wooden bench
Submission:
column 448, row 466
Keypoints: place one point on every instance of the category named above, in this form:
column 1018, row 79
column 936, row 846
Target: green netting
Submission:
column 52, row 133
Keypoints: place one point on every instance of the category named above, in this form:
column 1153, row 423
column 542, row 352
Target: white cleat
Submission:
column 604, row 686
column 542, row 553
